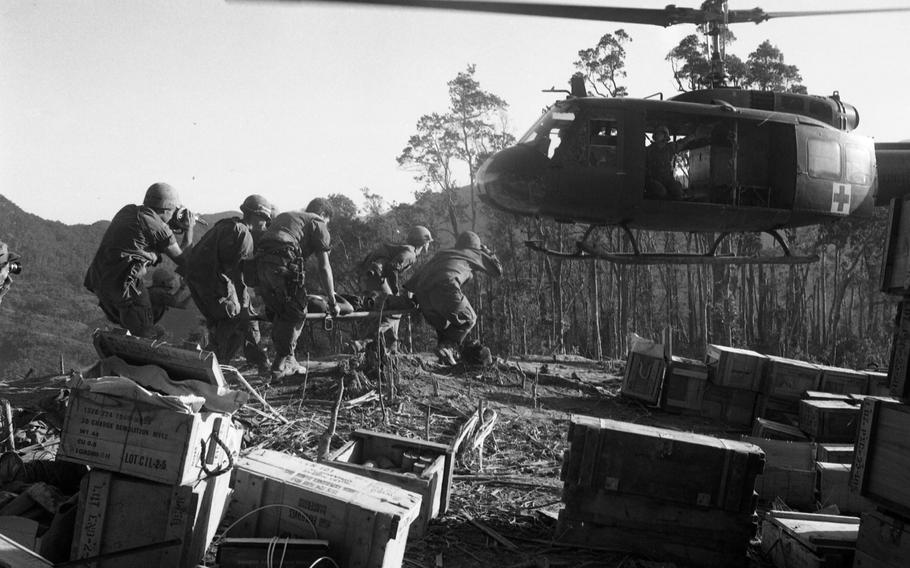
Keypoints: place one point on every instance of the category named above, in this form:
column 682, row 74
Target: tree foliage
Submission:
column 604, row 65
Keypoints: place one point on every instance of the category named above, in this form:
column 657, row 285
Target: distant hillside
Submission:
column 48, row 314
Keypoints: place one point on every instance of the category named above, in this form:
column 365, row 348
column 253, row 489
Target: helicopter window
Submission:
column 859, row 165
column 824, row 159
column 546, row 134
column 604, row 138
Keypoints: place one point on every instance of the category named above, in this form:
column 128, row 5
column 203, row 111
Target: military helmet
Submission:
column 662, row 129
column 161, row 196
column 257, row 204
column 468, row 240
column 7, row 255
column 164, row 278
column 419, row 236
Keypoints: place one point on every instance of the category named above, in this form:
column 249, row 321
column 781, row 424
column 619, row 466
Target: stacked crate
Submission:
column 785, row 382
column 880, row 473
column 684, row 385
column 734, row 381
column 676, row 496
column 644, row 374
column 160, row 477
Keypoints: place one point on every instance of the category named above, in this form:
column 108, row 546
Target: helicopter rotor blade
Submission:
column 769, row 15
column 668, row 16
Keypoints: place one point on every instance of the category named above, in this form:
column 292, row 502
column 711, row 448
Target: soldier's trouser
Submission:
column 252, row 350
column 220, row 306
column 134, row 313
column 286, row 301
column 449, row 312
column 385, row 326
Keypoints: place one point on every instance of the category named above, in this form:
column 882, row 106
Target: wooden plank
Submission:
column 882, row 456
column 885, row 539
column 14, row 555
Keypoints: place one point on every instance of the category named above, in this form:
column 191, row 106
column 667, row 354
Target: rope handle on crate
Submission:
column 214, row 472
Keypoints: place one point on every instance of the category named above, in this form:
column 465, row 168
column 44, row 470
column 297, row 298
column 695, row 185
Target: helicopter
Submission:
column 719, row 160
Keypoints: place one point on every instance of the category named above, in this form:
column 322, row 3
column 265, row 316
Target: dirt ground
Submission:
column 513, row 489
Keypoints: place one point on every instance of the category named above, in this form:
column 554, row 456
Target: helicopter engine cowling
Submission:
column 830, row 110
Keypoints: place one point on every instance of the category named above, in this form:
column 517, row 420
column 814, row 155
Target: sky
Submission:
column 101, row 98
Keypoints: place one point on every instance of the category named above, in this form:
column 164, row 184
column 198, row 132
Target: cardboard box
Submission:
column 835, row 453
column 147, row 441
column 693, row 469
column 365, row 521
column 882, row 455
column 829, row 420
column 118, row 512
column 789, row 378
column 419, row 466
column 843, row 381
column 883, row 541
column 684, row 385
column 809, row 540
column 735, row 368
column 730, row 405
column 643, row 377
column 789, row 472
column 833, row 489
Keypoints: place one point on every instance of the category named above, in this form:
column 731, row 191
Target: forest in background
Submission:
column 829, row 312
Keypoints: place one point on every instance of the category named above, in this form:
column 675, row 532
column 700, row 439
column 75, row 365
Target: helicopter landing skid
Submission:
column 586, row 252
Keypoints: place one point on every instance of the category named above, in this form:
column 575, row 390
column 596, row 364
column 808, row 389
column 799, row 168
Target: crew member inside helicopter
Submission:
column 660, row 181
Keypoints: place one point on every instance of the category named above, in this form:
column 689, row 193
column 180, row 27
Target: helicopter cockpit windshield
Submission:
column 546, row 134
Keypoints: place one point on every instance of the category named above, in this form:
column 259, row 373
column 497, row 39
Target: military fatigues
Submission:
column 281, row 252
column 437, row 287
column 379, row 275
column 215, row 277
column 133, row 241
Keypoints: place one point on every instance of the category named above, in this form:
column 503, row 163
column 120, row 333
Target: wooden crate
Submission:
column 264, row 552
column 789, row 378
column 783, row 410
column 843, row 381
column 147, row 441
column 730, row 405
column 764, row 428
column 789, row 472
column 694, row 469
column 721, row 551
column 684, row 385
column 883, row 541
column 835, row 453
column 822, row 395
column 834, row 489
column 829, row 420
column 735, row 368
column 365, row 521
column 419, row 466
column 895, row 276
column 14, row 555
column 643, row 377
column 879, row 383
column 808, row 540
column 899, row 367
column 117, row 512
column 882, row 457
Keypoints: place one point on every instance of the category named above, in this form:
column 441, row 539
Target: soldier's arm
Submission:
column 328, row 282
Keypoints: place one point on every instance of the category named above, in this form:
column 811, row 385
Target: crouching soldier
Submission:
column 437, row 286
column 9, row 264
column 380, row 273
column 215, row 277
column 291, row 238
column 136, row 238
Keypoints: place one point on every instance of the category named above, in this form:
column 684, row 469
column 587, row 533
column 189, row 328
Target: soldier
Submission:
column 136, row 238
column 282, row 250
column 9, row 264
column 437, row 287
column 216, row 280
column 380, row 272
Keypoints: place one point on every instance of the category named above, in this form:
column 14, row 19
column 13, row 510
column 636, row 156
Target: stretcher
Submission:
column 328, row 321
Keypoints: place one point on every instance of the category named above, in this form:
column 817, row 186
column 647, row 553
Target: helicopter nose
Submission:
column 514, row 179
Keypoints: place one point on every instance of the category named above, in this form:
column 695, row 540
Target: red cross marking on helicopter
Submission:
column 840, row 198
